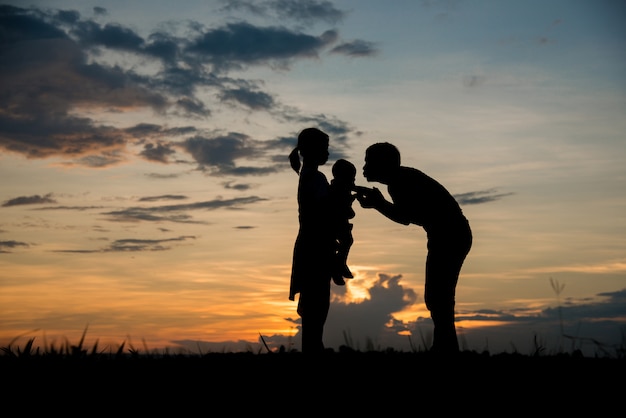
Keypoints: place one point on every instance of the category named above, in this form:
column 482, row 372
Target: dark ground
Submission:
column 354, row 383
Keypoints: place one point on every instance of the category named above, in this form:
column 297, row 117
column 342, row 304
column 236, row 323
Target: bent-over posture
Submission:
column 419, row 199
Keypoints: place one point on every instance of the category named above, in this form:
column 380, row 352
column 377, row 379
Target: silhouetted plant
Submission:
column 539, row 348
column 347, row 338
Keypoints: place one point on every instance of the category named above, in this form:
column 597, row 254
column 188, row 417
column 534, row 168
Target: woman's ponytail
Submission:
column 310, row 141
column 294, row 160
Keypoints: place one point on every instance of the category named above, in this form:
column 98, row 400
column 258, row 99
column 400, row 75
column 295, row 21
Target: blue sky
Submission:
column 147, row 192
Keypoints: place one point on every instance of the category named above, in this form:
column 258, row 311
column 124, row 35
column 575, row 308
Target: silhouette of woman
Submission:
column 315, row 245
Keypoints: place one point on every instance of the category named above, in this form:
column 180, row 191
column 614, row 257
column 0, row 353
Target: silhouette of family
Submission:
column 325, row 236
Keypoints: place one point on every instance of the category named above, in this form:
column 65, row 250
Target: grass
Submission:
column 127, row 350
column 76, row 379
column 81, row 380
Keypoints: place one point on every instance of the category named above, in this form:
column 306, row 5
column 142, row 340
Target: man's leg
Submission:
column 440, row 288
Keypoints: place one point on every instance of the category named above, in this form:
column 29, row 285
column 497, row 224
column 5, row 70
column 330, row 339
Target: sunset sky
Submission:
column 147, row 197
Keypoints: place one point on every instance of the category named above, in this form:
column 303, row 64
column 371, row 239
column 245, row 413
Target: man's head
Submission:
column 381, row 161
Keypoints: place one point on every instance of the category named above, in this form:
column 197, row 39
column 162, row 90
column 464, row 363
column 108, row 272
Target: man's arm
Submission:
column 373, row 198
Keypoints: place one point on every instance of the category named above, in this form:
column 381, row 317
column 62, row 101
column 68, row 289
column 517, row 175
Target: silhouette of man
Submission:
column 419, row 199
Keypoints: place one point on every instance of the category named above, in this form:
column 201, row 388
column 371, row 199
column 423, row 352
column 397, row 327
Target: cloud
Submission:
column 480, row 196
column 100, row 11
column 590, row 324
column 110, row 36
column 79, row 208
column 162, row 197
column 358, row 48
column 157, row 152
column 237, row 186
column 134, row 245
column 131, row 244
column 308, row 11
column 256, row 100
column 57, row 72
column 304, row 11
column 218, row 155
column 172, row 213
column 29, row 200
column 238, row 45
column 10, row 245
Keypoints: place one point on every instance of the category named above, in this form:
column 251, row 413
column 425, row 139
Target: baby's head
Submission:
column 344, row 171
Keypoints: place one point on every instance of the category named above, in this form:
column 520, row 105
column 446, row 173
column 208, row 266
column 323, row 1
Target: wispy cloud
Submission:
column 304, row 11
column 357, row 48
column 134, row 245
column 480, row 196
column 162, row 197
column 7, row 245
column 29, row 200
column 173, row 213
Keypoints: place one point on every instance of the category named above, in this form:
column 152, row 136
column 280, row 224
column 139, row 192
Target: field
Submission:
column 75, row 381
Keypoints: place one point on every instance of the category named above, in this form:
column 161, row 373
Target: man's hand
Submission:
column 369, row 198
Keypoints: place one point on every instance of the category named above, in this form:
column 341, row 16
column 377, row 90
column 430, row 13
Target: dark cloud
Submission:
column 46, row 75
column 218, row 155
column 157, row 152
column 257, row 8
column 371, row 317
column 150, row 130
column 356, row 48
column 29, row 200
column 594, row 325
column 237, row 186
column 220, row 150
column 134, row 245
column 304, row 11
column 172, row 213
column 11, row 245
column 100, row 11
column 160, row 176
column 55, row 75
column 162, row 197
column 474, row 80
column 113, row 36
column 256, row 100
column 192, row 107
column 105, row 159
column 145, row 214
column 307, row 11
column 480, row 196
column 78, row 208
column 241, row 44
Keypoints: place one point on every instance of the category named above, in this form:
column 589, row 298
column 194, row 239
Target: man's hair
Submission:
column 384, row 152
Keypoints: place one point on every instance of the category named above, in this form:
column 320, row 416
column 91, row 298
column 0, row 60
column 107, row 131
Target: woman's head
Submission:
column 312, row 145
